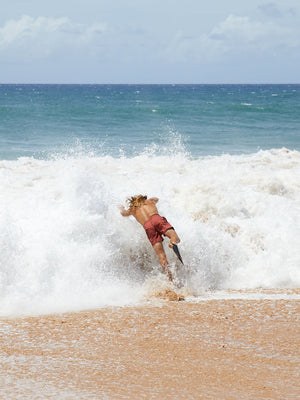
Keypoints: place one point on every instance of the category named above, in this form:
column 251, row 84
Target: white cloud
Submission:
column 42, row 36
column 236, row 34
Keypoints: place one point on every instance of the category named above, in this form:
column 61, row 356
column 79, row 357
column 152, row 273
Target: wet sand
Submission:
column 216, row 349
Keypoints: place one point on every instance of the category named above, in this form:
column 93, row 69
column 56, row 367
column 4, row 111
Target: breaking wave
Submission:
column 64, row 245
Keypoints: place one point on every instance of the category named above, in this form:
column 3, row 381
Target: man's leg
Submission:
column 159, row 249
column 172, row 235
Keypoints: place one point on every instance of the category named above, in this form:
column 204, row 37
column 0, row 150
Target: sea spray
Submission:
column 65, row 246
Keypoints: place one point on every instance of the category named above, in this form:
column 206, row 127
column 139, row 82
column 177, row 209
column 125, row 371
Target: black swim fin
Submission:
column 176, row 251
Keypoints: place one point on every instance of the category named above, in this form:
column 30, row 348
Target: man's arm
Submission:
column 124, row 212
column 154, row 199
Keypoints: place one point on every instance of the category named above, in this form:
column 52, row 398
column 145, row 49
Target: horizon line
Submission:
column 147, row 84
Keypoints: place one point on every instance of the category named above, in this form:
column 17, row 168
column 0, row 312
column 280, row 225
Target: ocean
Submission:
column 224, row 161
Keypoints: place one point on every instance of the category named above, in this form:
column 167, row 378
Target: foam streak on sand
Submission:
column 64, row 245
column 218, row 349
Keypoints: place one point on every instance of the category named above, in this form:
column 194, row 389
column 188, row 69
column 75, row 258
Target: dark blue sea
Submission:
column 40, row 120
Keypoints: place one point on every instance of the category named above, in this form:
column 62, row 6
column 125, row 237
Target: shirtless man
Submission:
column 145, row 212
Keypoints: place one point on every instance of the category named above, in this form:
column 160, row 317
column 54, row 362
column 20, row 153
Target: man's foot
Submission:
column 169, row 275
column 167, row 271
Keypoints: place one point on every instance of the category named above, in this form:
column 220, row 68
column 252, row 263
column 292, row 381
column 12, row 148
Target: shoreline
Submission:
column 216, row 349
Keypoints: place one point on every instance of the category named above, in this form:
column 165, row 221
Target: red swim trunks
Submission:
column 155, row 227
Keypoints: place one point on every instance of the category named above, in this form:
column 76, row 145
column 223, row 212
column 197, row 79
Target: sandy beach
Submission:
column 216, row 349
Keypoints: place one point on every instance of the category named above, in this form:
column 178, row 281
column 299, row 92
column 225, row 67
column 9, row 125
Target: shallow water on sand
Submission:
column 212, row 349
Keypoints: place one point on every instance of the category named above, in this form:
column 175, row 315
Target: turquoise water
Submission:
column 39, row 120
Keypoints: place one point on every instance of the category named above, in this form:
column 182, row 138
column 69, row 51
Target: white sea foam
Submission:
column 65, row 246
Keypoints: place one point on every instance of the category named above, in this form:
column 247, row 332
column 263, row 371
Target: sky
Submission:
column 150, row 41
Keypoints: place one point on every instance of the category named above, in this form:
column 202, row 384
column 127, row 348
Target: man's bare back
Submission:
column 144, row 212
